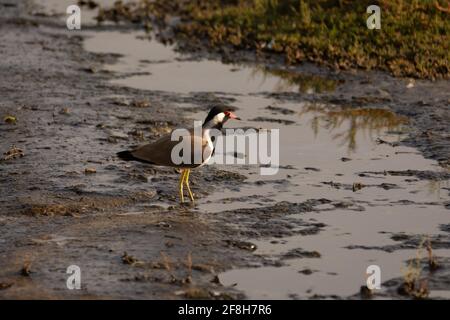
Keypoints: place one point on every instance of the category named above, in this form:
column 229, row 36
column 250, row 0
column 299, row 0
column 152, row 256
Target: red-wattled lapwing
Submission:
column 160, row 151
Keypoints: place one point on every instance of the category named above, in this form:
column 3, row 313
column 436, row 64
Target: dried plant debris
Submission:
column 64, row 111
column 10, row 119
column 432, row 262
column 50, row 210
column 26, row 269
column 141, row 103
column 243, row 245
column 392, row 144
column 130, row 260
column 357, row 186
column 88, row 3
column 414, row 284
column 13, row 153
column 5, row 285
column 365, row 292
column 90, row 170
column 169, row 267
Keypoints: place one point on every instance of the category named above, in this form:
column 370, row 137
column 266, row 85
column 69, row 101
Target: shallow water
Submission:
column 319, row 137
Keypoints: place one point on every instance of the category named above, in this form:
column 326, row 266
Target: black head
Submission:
column 214, row 119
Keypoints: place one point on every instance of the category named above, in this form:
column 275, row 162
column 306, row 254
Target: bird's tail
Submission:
column 126, row 156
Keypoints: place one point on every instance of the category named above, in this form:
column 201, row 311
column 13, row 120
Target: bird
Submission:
column 160, row 152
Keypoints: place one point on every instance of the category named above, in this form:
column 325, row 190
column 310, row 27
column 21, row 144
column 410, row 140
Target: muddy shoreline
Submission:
column 122, row 224
column 46, row 191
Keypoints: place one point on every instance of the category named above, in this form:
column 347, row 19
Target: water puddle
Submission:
column 326, row 151
column 158, row 67
column 334, row 272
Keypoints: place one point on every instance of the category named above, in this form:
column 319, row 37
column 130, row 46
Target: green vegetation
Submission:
column 413, row 40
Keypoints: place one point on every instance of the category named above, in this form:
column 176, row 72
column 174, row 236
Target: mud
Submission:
column 50, row 209
column 79, row 97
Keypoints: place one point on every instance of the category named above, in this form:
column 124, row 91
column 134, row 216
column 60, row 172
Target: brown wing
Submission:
column 160, row 151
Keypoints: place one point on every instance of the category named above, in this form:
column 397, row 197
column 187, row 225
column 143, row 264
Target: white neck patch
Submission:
column 219, row 117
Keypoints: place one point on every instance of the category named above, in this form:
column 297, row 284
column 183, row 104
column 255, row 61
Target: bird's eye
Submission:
column 227, row 113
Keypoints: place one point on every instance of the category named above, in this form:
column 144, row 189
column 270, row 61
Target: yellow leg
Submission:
column 186, row 180
column 180, row 185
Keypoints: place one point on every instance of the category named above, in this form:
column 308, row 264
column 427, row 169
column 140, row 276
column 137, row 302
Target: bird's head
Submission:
column 218, row 115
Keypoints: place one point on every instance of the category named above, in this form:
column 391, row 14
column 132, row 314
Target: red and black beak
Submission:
column 231, row 115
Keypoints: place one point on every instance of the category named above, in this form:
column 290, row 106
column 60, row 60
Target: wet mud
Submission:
column 363, row 176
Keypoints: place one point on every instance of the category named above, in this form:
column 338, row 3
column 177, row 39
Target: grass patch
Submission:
column 413, row 40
